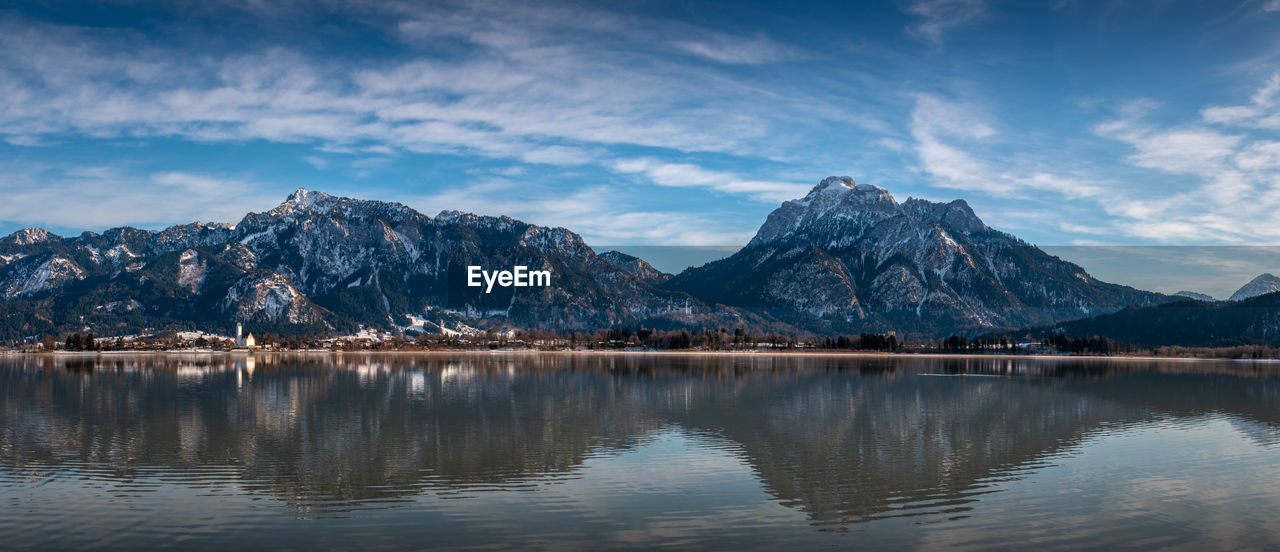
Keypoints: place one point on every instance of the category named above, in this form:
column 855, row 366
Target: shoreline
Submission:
column 676, row 353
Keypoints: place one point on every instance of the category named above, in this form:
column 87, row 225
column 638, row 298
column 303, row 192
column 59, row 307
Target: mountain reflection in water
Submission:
column 694, row 451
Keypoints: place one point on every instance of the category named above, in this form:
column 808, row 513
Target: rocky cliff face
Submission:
column 849, row 257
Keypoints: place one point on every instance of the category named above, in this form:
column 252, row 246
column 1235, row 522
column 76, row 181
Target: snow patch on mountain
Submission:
column 422, row 324
column 269, row 297
column 6, row 259
column 94, row 254
column 239, row 255
column 119, row 306
column 33, row 276
column 119, row 252
column 191, row 271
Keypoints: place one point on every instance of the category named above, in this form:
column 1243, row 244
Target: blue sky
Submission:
column 654, row 123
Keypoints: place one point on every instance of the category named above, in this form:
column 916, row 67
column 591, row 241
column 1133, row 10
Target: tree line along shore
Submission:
column 627, row 339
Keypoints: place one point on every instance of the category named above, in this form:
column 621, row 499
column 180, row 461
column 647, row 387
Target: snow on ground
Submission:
column 192, row 336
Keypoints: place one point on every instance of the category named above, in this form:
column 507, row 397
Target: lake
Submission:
column 631, row 451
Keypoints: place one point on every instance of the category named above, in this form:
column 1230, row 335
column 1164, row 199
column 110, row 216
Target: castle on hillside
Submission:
column 244, row 340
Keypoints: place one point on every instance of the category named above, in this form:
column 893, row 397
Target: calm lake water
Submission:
column 578, row 451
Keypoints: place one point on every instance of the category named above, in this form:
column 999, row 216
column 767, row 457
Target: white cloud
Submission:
column 521, row 91
column 1262, row 111
column 1259, row 156
column 685, row 175
column 1230, row 190
column 1188, row 150
column 536, row 83
column 935, row 123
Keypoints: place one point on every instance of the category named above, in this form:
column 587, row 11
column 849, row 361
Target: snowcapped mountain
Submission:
column 845, row 258
column 1263, row 284
column 319, row 263
column 849, row 257
column 1196, row 296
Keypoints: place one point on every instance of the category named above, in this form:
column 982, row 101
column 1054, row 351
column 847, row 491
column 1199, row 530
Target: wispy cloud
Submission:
column 685, row 175
column 736, row 50
column 1231, row 186
column 585, row 94
column 1262, row 111
column 939, row 16
column 1189, row 150
column 518, row 92
column 517, row 88
column 951, row 140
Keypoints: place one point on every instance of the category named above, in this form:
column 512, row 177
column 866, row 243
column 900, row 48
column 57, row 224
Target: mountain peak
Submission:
column 844, row 189
column 303, row 200
column 830, row 181
column 307, row 198
column 839, row 210
column 1263, row 284
column 28, row 236
column 957, row 214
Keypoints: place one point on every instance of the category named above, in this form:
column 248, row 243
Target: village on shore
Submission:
column 617, row 339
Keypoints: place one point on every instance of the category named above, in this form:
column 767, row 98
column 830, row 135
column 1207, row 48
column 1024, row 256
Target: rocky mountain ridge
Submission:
column 322, row 264
column 845, row 258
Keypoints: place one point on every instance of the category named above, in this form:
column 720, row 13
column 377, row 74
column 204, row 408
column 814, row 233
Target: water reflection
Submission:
column 841, row 440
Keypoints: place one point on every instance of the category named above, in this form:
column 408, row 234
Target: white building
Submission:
column 244, row 339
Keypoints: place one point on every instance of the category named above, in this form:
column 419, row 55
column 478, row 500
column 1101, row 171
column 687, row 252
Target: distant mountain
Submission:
column 1196, row 296
column 848, row 257
column 321, row 264
column 1187, row 322
column 636, row 267
column 1263, row 284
